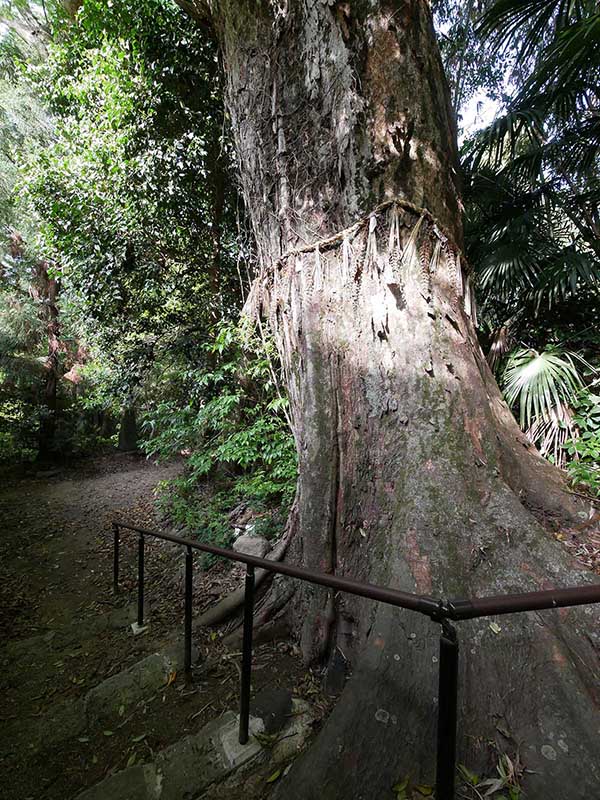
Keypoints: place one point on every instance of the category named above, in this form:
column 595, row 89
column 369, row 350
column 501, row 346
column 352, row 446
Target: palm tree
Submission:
column 544, row 386
column 549, row 138
column 532, row 198
column 533, row 177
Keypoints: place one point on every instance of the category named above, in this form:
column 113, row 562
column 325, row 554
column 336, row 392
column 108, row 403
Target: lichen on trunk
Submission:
column 413, row 472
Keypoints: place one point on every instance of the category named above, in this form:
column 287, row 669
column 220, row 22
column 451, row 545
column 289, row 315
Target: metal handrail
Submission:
column 439, row 610
column 414, row 602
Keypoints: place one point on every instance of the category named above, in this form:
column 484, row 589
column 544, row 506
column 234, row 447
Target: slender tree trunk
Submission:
column 218, row 204
column 413, row 472
column 128, row 439
column 49, row 288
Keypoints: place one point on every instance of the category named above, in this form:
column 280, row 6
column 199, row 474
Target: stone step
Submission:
column 191, row 766
column 107, row 703
column 68, row 635
column 186, row 768
column 118, row 695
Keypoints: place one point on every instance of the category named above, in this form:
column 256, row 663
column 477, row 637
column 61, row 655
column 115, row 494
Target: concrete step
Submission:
column 104, row 705
column 69, row 635
column 188, row 768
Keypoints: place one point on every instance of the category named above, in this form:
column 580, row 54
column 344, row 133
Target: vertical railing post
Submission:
column 188, row 615
column 115, row 527
column 247, row 655
column 447, row 708
column 140, row 609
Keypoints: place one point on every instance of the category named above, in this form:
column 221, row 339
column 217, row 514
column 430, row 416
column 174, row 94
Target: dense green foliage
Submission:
column 116, row 180
column 532, row 224
column 133, row 190
column 545, row 386
column 133, row 203
column 230, row 418
column 128, row 188
column 584, row 449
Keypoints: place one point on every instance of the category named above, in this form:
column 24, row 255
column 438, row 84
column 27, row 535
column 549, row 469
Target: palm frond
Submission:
column 530, row 21
column 552, row 125
column 500, row 141
column 566, row 69
column 509, row 268
column 567, row 272
column 550, row 435
column 541, row 383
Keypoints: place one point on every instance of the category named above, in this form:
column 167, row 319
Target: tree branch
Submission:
column 198, row 10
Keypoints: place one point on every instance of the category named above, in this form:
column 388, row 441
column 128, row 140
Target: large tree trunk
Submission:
column 413, row 472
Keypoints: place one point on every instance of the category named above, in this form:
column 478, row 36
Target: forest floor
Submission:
column 64, row 632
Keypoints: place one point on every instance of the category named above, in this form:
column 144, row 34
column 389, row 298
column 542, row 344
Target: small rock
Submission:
column 549, row 752
column 240, row 515
column 252, row 545
column 274, row 707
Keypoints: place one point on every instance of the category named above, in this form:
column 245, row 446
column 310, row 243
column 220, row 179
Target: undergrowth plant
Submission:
column 544, row 387
column 232, row 430
column 584, row 449
column 558, row 412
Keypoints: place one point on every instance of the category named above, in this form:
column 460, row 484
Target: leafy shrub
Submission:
column 18, row 432
column 584, row 449
column 559, row 414
column 545, row 387
column 232, row 429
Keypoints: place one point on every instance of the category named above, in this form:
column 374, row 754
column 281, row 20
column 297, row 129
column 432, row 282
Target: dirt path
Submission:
column 55, row 534
column 63, row 632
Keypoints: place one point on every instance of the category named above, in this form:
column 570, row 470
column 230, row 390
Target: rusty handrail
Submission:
column 439, row 610
column 425, row 604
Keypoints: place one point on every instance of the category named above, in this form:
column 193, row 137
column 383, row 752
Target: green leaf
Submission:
column 400, row 789
column 426, row 791
column 545, row 386
column 274, row 776
column 468, row 776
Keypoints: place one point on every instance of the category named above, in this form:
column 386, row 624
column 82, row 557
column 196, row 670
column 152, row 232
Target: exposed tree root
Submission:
column 229, row 605
column 273, row 623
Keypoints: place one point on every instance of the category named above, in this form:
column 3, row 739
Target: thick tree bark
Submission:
column 413, row 472
column 217, row 175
